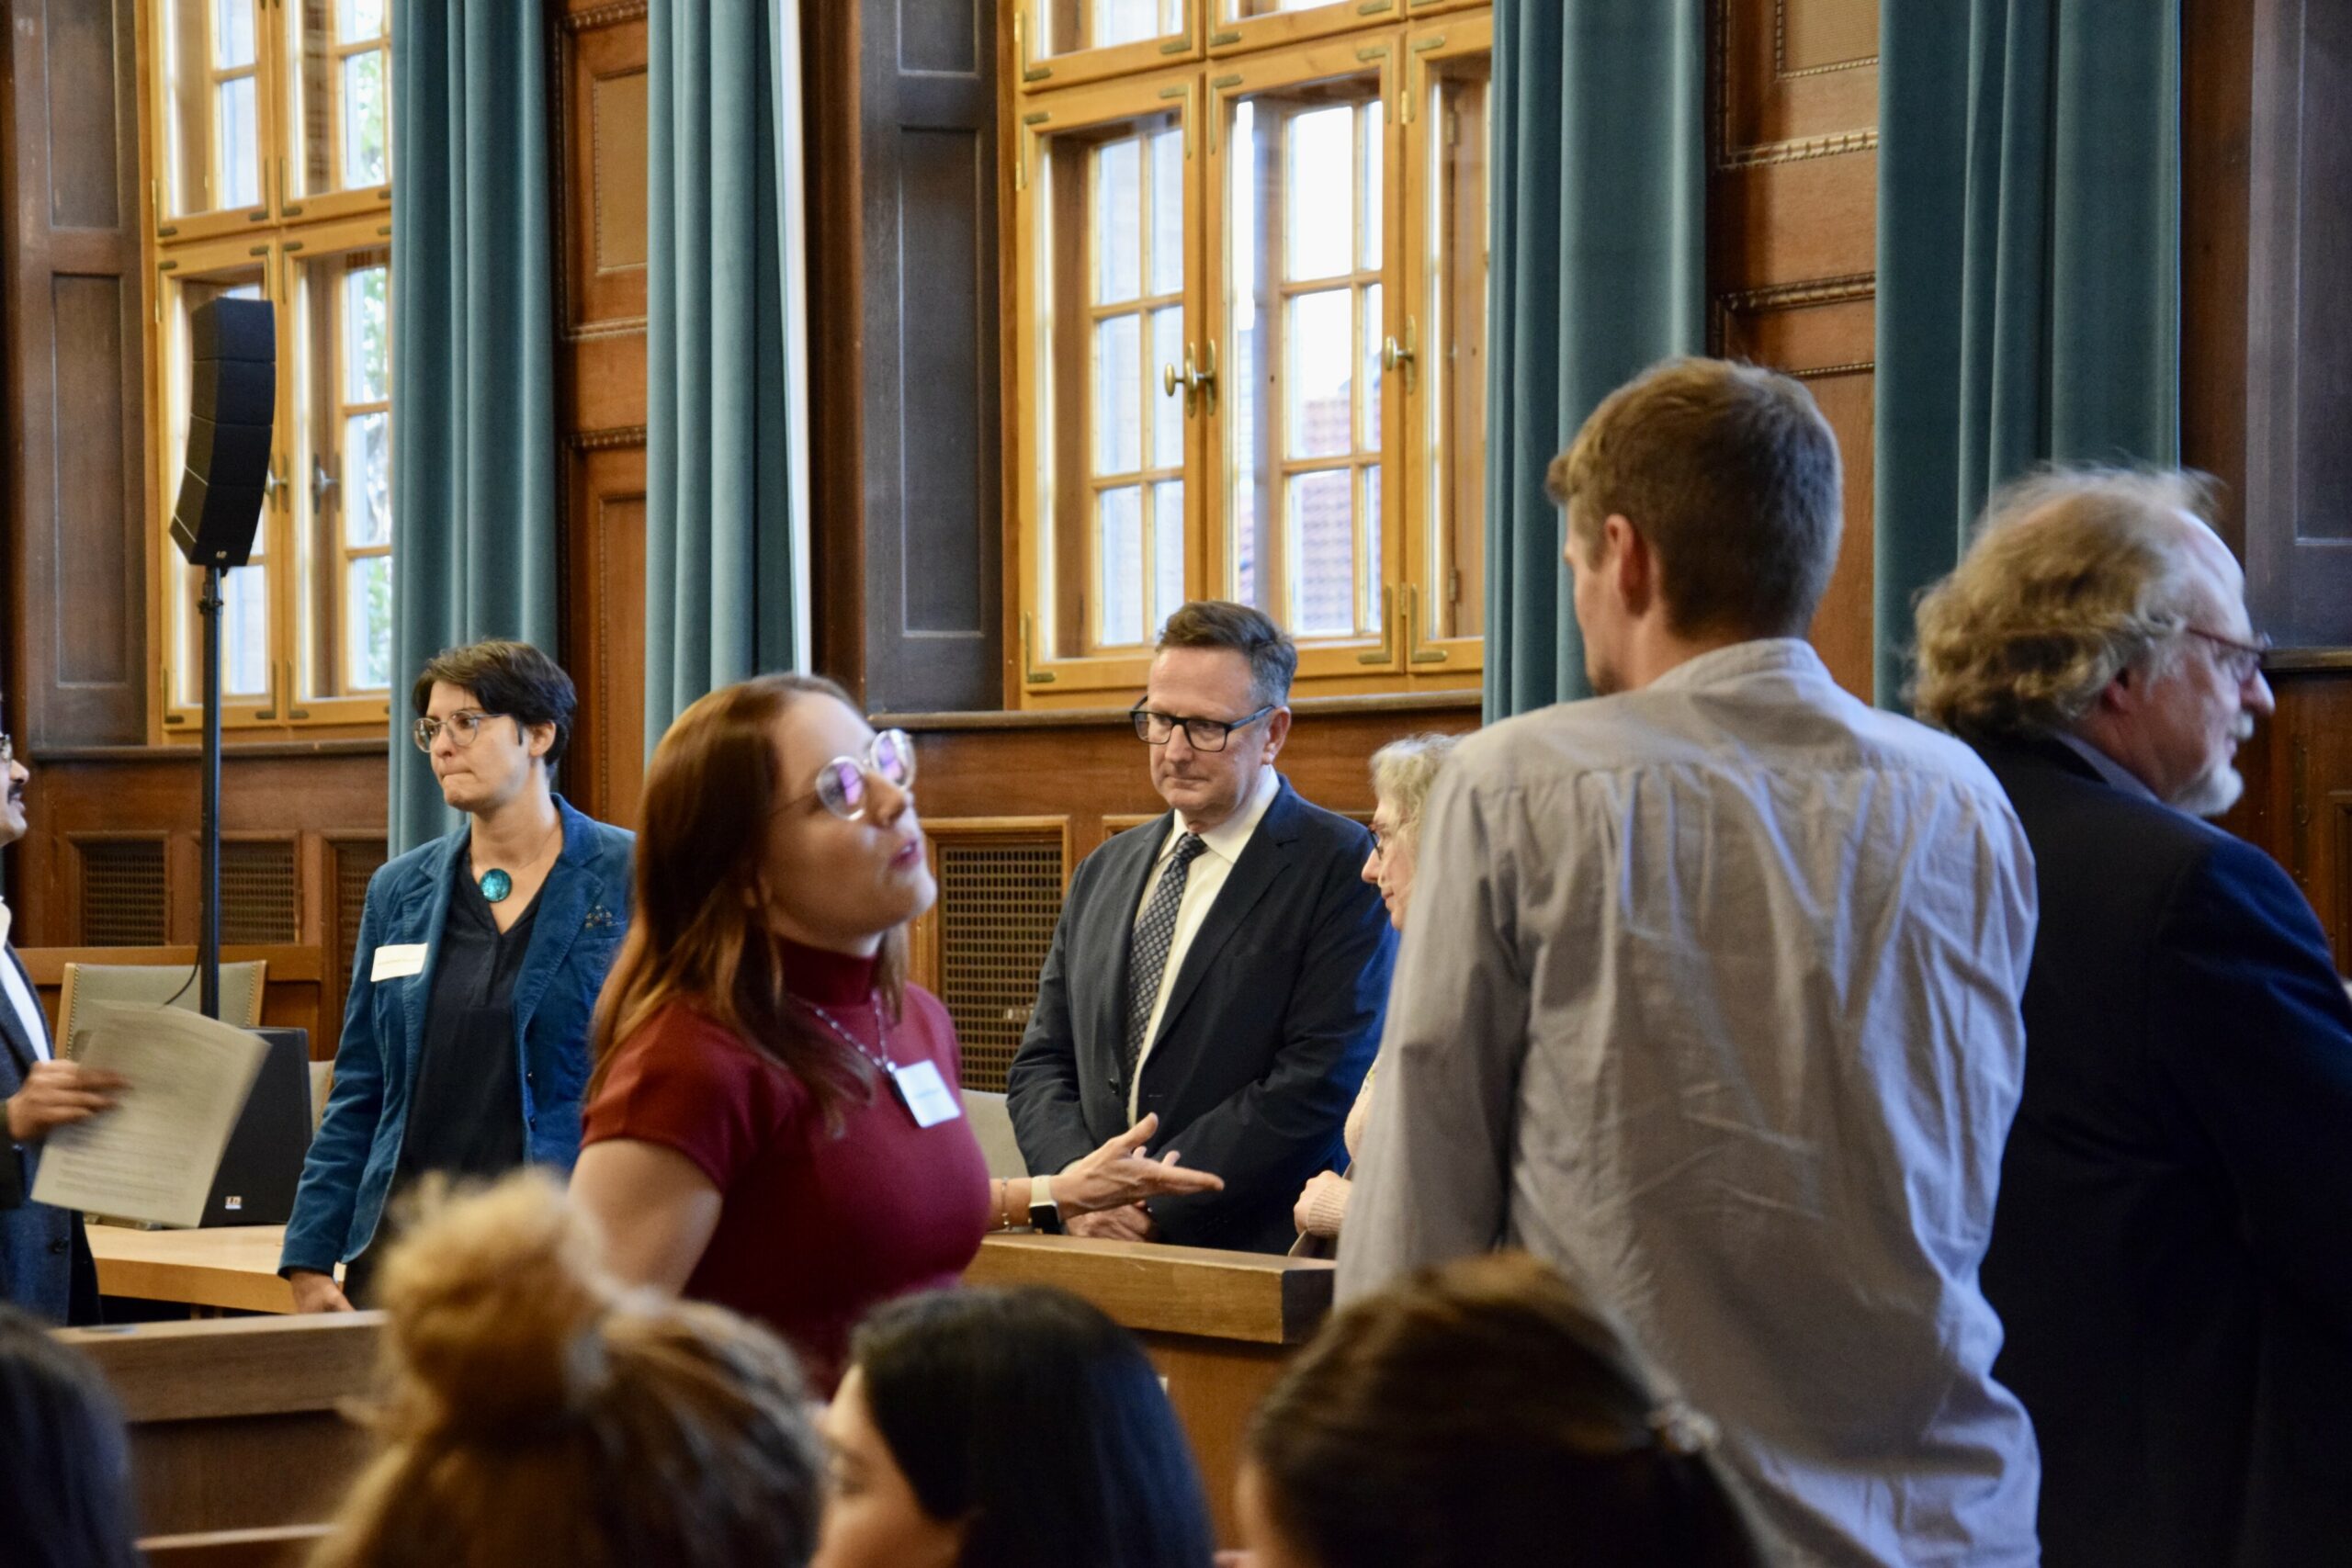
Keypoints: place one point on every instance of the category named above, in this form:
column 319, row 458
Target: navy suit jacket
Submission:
column 45, row 1263
column 1270, row 1027
column 2172, row 1249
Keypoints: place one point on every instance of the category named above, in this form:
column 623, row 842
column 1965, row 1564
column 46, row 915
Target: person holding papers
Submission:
column 465, row 1042
column 775, row 1124
column 45, row 1263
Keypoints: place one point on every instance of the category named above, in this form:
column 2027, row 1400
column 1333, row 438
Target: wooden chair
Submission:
column 155, row 984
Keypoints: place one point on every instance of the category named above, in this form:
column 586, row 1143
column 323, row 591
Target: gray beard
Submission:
column 2211, row 793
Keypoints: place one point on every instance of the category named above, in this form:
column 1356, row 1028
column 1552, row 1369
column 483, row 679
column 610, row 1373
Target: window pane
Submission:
column 368, row 622
column 1368, row 618
column 245, row 632
column 1321, row 348
column 1372, row 125
column 1323, row 553
column 1167, row 212
column 367, row 480
column 240, row 145
column 1168, row 551
column 1118, row 407
column 1119, row 551
column 1319, row 215
column 232, row 43
column 1124, row 21
column 363, row 120
column 360, row 19
column 1371, row 367
column 1118, row 220
column 367, row 337
column 1167, row 408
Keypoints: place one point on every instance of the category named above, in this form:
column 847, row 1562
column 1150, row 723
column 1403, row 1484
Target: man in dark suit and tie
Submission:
column 2172, row 1246
column 45, row 1264
column 1222, row 966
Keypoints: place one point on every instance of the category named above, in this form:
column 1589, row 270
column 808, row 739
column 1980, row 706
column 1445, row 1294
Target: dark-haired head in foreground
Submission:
column 1480, row 1413
column 66, row 1481
column 992, row 1428
column 537, row 1413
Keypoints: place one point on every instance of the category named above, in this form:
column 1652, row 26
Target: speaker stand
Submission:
column 208, row 942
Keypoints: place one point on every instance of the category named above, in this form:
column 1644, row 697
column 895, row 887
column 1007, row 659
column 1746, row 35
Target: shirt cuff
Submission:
column 1329, row 1210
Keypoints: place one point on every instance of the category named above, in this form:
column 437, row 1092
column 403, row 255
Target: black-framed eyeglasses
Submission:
column 462, row 725
column 2238, row 661
column 840, row 784
column 1201, row 734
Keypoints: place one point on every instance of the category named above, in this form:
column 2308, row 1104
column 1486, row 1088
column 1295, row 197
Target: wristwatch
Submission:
column 1045, row 1214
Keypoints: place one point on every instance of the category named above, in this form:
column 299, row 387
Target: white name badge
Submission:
column 7, row 916
column 393, row 962
column 928, row 1099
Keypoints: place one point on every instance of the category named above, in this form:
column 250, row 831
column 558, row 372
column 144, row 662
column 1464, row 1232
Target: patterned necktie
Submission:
column 1148, row 948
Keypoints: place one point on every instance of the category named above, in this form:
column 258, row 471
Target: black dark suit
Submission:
column 45, row 1263
column 2172, row 1249
column 1269, row 1030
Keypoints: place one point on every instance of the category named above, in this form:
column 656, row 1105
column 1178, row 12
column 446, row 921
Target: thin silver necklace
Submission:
column 881, row 1028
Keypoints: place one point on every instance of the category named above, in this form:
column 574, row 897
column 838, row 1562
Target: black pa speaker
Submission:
column 233, row 402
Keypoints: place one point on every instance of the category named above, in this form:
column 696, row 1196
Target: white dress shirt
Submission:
column 1710, row 999
column 20, row 996
column 1204, row 879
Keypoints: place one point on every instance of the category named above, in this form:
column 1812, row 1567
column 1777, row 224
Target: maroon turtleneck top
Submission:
column 814, row 1228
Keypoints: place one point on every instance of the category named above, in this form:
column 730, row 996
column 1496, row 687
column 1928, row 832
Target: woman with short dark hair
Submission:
column 1006, row 1428
column 64, row 1460
column 1475, row 1414
column 465, row 1039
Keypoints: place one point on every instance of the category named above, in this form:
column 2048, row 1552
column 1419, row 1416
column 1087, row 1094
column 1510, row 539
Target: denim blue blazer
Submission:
column 583, row 914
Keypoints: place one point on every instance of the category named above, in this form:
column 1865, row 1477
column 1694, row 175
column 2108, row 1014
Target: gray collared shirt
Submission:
column 1709, row 995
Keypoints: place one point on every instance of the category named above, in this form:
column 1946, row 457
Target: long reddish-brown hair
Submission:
column 699, row 934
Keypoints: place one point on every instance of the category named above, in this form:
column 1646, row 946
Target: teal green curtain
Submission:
column 1597, row 267
column 473, row 357
column 718, row 591
column 2029, row 264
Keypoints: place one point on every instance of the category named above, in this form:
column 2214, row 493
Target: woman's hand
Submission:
column 1115, row 1175
column 314, row 1291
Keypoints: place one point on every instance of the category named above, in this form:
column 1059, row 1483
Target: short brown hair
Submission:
column 2075, row 575
column 1731, row 474
column 1221, row 623
column 505, row 677
column 1482, row 1412
column 537, row 1411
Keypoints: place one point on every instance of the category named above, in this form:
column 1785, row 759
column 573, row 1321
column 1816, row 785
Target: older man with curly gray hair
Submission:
column 2168, row 1250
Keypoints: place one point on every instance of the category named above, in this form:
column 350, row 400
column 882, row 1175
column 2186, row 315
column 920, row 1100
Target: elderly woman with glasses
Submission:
column 776, row 1122
column 465, row 1040
column 1402, row 772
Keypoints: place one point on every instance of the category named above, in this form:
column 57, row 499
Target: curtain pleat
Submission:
column 2028, row 264
column 474, row 378
column 1597, row 267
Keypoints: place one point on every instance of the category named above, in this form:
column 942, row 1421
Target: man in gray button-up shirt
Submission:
column 1711, row 998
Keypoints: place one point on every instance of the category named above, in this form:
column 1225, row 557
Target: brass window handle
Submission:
column 1196, row 379
column 1405, row 356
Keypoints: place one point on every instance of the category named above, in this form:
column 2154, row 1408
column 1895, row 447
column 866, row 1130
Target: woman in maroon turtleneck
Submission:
column 774, row 1122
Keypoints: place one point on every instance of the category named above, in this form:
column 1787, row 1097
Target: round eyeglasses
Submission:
column 840, row 784
column 462, row 725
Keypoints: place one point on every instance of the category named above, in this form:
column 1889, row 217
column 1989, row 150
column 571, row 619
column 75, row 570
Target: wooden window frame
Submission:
column 267, row 238
column 1036, row 70
column 347, row 200
column 1043, row 672
column 1230, row 34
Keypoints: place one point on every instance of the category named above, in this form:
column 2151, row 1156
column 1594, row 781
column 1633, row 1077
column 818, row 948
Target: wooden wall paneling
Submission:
column 604, row 773
column 2216, row 118
column 927, row 162
column 2299, row 392
column 831, row 138
column 1792, row 236
column 599, row 131
column 75, row 547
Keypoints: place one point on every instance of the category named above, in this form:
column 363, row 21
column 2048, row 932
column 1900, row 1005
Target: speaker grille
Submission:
column 122, row 892
column 998, row 900
column 354, row 862
column 260, row 899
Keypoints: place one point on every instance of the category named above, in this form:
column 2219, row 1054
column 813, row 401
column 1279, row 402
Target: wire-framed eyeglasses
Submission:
column 840, row 784
column 7, row 749
column 462, row 725
column 2238, row 661
column 1201, row 734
